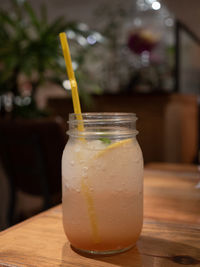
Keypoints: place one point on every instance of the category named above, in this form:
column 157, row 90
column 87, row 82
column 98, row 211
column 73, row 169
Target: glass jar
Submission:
column 102, row 183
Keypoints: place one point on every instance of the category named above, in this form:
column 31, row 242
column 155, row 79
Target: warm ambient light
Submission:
column 66, row 85
column 169, row 22
column 74, row 65
column 81, row 40
column 91, row 40
column 156, row 5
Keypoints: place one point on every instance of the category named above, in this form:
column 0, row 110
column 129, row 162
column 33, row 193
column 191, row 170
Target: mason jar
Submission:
column 102, row 183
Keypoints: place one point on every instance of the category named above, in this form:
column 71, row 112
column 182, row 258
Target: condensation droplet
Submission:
column 72, row 163
column 77, row 149
column 66, row 186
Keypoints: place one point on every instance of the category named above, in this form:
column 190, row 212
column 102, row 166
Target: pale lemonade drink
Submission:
column 103, row 186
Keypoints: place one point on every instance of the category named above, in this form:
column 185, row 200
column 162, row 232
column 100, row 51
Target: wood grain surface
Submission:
column 170, row 236
column 170, row 193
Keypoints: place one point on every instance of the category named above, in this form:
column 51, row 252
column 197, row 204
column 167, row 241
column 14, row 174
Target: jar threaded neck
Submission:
column 97, row 125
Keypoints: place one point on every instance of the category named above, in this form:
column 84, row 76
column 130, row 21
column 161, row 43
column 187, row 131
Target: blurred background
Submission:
column 140, row 56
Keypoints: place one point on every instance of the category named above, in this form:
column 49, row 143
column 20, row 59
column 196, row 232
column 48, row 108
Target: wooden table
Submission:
column 170, row 236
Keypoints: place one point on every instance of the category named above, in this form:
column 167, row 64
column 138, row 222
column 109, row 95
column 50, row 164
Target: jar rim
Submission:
column 102, row 116
column 103, row 124
column 105, row 113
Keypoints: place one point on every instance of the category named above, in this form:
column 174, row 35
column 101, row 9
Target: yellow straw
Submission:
column 72, row 79
column 77, row 111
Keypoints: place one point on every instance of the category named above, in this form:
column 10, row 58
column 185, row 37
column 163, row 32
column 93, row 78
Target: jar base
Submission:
column 104, row 252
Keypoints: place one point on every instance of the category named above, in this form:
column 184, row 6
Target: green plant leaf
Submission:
column 105, row 140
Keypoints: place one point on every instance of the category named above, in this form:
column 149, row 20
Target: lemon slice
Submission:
column 113, row 146
column 91, row 210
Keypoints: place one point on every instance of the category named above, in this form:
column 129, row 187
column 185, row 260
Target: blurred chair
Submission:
column 31, row 152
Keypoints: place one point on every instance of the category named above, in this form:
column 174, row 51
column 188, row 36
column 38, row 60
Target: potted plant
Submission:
column 30, row 55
